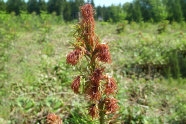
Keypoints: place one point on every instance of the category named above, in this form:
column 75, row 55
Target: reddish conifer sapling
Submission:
column 98, row 87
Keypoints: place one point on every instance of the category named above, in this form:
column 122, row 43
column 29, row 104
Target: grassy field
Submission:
column 35, row 80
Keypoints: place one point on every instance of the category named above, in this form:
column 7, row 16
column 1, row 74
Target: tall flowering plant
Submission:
column 98, row 87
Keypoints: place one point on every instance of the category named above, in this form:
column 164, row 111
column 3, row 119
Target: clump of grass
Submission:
column 162, row 27
column 121, row 27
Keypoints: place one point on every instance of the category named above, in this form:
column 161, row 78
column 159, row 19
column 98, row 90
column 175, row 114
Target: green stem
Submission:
column 101, row 113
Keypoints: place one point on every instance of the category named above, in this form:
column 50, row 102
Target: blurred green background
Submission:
column 147, row 40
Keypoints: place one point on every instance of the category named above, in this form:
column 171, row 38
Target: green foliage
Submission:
column 141, row 97
column 137, row 10
column 55, row 6
column 2, row 5
column 15, row 6
column 183, row 4
column 78, row 116
column 32, row 6
column 162, row 26
column 35, row 79
column 134, row 11
column 121, row 27
column 174, row 10
column 151, row 55
column 42, row 5
column 116, row 13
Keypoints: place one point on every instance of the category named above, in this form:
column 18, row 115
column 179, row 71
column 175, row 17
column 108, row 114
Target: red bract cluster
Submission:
column 74, row 56
column 93, row 89
column 75, row 85
column 97, row 76
column 103, row 53
column 87, row 12
column 87, row 25
column 96, row 86
column 93, row 92
column 111, row 105
column 110, row 86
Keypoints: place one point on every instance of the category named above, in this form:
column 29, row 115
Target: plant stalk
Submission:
column 101, row 113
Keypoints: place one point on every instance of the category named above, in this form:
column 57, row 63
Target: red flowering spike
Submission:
column 111, row 105
column 87, row 11
column 93, row 92
column 75, row 84
column 74, row 56
column 93, row 111
column 92, row 49
column 88, row 24
column 97, row 76
column 110, row 86
column 103, row 53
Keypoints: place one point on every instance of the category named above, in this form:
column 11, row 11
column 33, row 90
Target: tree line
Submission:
column 137, row 10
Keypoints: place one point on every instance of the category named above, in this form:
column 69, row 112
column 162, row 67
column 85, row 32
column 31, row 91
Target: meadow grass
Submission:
column 35, row 79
